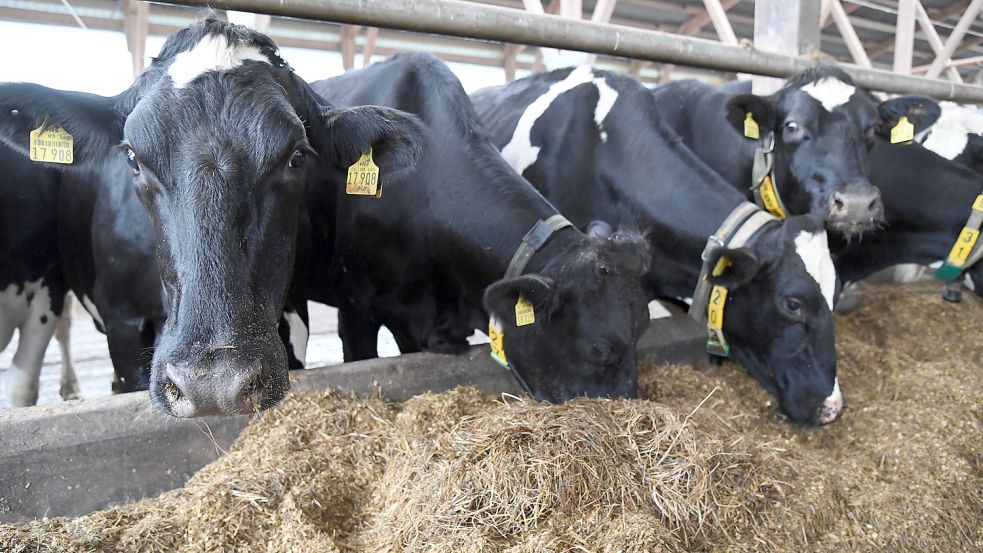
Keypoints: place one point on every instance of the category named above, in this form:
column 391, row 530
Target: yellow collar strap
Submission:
column 763, row 178
column 967, row 250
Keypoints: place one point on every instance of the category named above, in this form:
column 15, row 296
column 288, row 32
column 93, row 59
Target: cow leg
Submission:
column 131, row 348
column 63, row 329
column 24, row 372
column 294, row 333
column 7, row 326
column 359, row 333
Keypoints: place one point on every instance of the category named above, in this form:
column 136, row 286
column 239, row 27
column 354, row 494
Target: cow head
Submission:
column 222, row 139
column 822, row 124
column 590, row 312
column 778, row 316
column 948, row 129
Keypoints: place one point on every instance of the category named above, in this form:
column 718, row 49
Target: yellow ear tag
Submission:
column 497, row 340
column 751, row 129
column 524, row 312
column 904, row 131
column 978, row 204
column 363, row 177
column 721, row 265
column 53, row 145
column 963, row 246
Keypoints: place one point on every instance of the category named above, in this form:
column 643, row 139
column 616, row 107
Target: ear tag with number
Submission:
column 716, row 343
column 496, row 339
column 52, row 145
column 903, row 132
column 363, row 177
column 751, row 129
column 524, row 312
column 961, row 250
column 769, row 197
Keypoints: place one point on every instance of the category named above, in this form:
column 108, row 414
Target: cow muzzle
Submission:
column 855, row 209
column 831, row 407
column 229, row 386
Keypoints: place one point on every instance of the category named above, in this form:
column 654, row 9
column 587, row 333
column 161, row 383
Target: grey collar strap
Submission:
column 763, row 178
column 736, row 231
column 533, row 241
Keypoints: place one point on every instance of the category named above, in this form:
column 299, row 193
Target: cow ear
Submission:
column 94, row 122
column 396, row 138
column 633, row 250
column 739, row 268
column 921, row 111
column 540, row 291
column 760, row 108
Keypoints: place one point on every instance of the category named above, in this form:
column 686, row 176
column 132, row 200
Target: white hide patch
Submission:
column 91, row 308
column 298, row 335
column 519, row 152
column 212, row 53
column 830, row 92
column 832, row 405
column 814, row 251
column 950, row 134
column 658, row 311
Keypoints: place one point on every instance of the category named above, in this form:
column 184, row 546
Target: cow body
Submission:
column 32, row 288
column 428, row 258
column 821, row 125
column 593, row 143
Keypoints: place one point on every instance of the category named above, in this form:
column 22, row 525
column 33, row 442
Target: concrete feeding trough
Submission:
column 82, row 456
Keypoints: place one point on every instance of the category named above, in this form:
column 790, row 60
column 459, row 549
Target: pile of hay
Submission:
column 704, row 463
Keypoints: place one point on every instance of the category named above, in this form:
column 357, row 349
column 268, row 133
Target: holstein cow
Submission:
column 595, row 145
column 957, row 135
column 808, row 142
column 929, row 201
column 221, row 139
column 32, row 288
column 466, row 232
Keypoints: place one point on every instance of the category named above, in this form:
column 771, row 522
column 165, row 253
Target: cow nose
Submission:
column 832, row 406
column 855, row 209
column 231, row 391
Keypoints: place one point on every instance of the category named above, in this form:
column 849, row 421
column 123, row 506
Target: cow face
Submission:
column 822, row 125
column 222, row 139
column 952, row 131
column 778, row 317
column 590, row 312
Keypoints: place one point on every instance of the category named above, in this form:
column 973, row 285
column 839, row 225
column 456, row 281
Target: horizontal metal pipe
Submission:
column 474, row 20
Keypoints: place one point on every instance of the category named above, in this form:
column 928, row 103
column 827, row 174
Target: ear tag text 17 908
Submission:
column 751, row 129
column 52, row 145
column 363, row 177
column 903, row 132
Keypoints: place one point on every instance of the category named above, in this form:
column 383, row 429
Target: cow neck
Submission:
column 764, row 187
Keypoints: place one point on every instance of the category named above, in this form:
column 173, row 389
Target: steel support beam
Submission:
column 849, row 34
column 348, row 34
column 933, row 38
column 371, row 36
column 718, row 16
column 136, row 26
column 471, row 20
column 955, row 38
column 904, row 41
column 789, row 27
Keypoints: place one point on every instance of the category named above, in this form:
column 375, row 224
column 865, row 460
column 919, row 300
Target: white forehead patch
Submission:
column 212, row 53
column 830, row 92
column 950, row 134
column 814, row 251
column 520, row 152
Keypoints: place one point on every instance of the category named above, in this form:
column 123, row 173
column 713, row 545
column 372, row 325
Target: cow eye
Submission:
column 792, row 127
column 131, row 160
column 793, row 305
column 602, row 353
column 297, row 159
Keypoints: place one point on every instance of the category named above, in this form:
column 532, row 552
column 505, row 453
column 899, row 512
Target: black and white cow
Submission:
column 220, row 139
column 432, row 252
column 594, row 144
column 32, row 288
column 822, row 124
column 957, row 135
column 927, row 201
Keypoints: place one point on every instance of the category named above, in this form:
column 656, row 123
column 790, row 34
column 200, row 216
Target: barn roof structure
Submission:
column 853, row 31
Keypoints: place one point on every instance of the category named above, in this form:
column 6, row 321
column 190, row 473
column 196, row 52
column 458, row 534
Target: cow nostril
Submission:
column 838, row 204
column 252, row 393
column 171, row 391
column 873, row 206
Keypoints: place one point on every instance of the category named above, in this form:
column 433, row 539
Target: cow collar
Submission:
column 966, row 251
column 532, row 242
column 763, row 178
column 709, row 300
